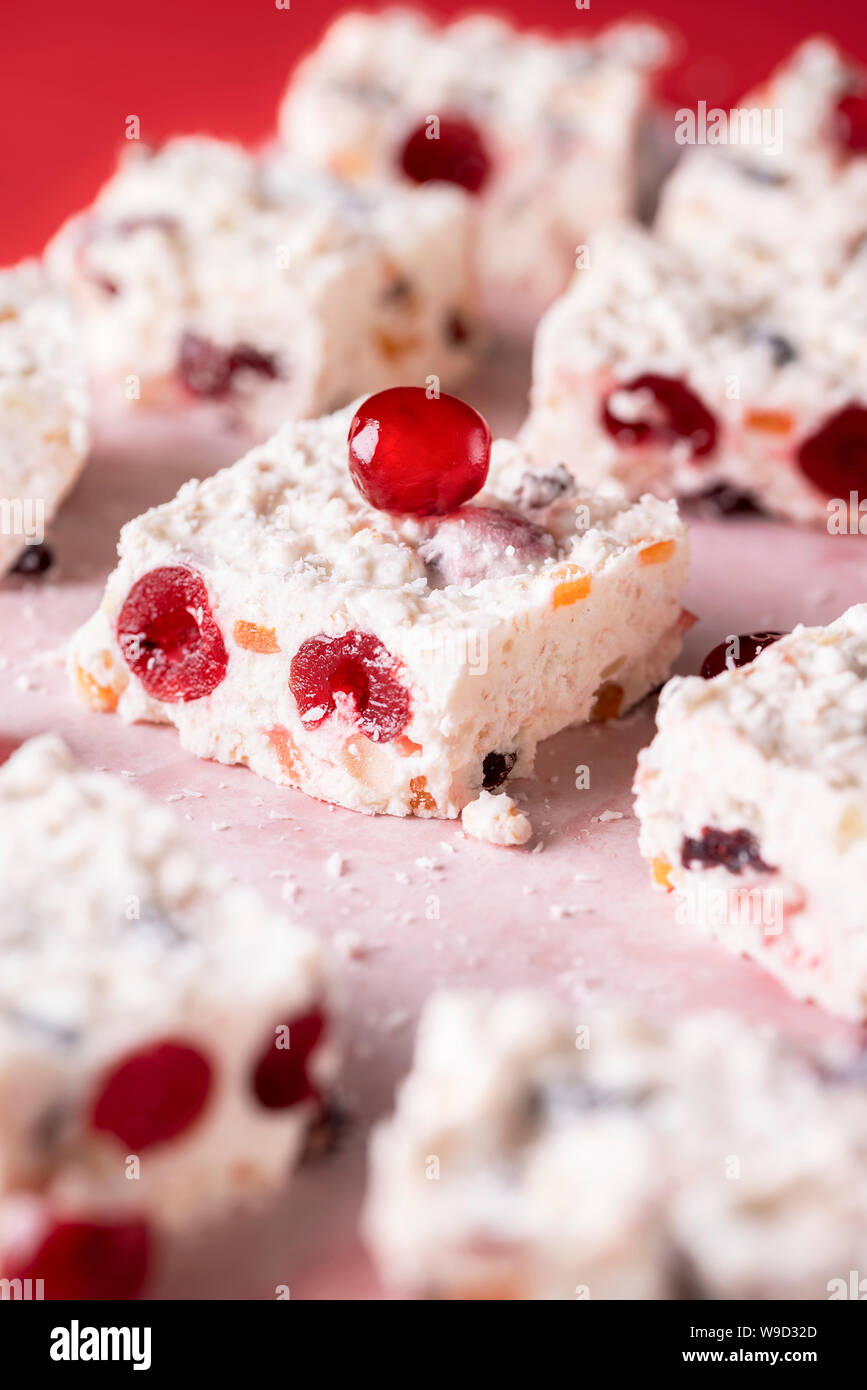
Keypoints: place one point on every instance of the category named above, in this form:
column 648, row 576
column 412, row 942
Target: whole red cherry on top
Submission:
column 417, row 455
column 453, row 152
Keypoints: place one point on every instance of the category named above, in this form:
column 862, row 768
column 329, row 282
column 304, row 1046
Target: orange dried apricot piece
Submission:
column 656, row 554
column 574, row 585
column 608, row 701
column 288, row 754
column 659, row 873
column 103, row 698
column 421, row 799
column 252, row 637
column 769, row 421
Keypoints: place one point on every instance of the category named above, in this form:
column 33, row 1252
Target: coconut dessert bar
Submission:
column 202, row 273
column 164, row 1037
column 44, row 407
column 538, row 1155
column 337, row 616
column 651, row 374
column 791, row 198
column 752, row 800
column 541, row 133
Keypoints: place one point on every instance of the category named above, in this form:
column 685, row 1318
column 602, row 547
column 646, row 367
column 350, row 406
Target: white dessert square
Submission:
column 204, row 273
column 44, row 407
column 149, row 1008
column 770, row 211
column 752, row 800
column 650, row 373
column 541, row 132
column 537, row 1154
column 386, row 663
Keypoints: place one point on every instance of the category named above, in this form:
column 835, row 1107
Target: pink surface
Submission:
column 576, row 917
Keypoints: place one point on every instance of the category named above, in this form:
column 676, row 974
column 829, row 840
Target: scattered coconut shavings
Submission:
column 335, row 865
column 608, row 815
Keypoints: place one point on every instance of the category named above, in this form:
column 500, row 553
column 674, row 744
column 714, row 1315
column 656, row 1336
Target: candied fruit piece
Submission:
column 749, row 644
column 666, row 411
column 355, row 673
column 660, row 869
column 280, row 1077
column 851, row 120
column 573, row 585
column 496, row 767
column 658, row 554
column 451, row 150
column 733, row 850
column 85, row 1259
column 770, row 421
column 252, row 637
column 418, row 455
column 102, row 698
column 154, row 1095
column 607, row 702
column 835, row 457
column 420, row 797
column 168, row 636
column 288, row 754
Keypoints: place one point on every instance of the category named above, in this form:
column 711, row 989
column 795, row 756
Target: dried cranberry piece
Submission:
column 246, row 358
column 456, row 155
column 154, row 1095
column 476, row 543
column 732, row 850
column 86, row 1260
column 749, row 646
column 280, row 1076
column 417, row 455
column 355, row 672
column 496, row 768
column 168, row 636
column 678, row 414
column 835, row 457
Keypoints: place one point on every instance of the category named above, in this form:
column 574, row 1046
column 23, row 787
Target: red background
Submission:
column 72, row 70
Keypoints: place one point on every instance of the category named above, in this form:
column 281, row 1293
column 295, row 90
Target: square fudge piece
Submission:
column 203, row 273
column 390, row 663
column 752, row 800
column 534, row 1155
column 652, row 374
column 541, row 132
column 769, row 211
column 163, row 1035
column 44, row 407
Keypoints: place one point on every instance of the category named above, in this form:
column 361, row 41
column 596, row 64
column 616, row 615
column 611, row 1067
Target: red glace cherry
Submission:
column 168, row 636
column 674, row 413
column 280, row 1076
column 720, row 659
column 452, row 151
column 154, row 1095
column 354, row 673
column 208, row 370
column 417, row 455
column 85, row 1259
column 835, row 457
column 851, row 120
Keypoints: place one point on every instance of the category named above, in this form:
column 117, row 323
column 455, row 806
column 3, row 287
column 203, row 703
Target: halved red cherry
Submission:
column 417, row 455
column 85, row 1259
column 154, row 1095
column 662, row 411
column 280, row 1078
column 737, row 651
column 168, row 636
column 450, row 149
column 355, row 674
column 835, row 457
column 851, row 119
column 478, row 543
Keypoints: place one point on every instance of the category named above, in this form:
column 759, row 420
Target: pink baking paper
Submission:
column 573, row 913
